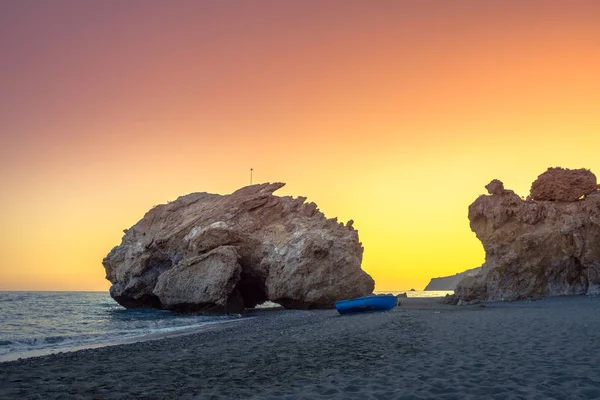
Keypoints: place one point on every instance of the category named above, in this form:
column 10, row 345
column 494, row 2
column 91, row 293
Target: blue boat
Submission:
column 366, row 304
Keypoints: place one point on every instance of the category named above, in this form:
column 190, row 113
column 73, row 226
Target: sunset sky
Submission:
column 395, row 114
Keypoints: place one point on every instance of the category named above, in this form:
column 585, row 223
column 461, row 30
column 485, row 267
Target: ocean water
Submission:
column 35, row 323
column 421, row 293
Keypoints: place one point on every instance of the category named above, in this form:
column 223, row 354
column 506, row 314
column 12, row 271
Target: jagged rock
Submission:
column 450, row 282
column 535, row 248
column 559, row 184
column 495, row 187
column 211, row 253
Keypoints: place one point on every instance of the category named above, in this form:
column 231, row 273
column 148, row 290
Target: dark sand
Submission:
column 547, row 349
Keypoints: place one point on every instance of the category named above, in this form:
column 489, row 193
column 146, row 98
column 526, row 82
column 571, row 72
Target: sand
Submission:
column 547, row 349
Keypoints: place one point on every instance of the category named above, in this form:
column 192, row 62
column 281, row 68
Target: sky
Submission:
column 394, row 114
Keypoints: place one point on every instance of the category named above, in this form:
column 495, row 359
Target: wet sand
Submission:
column 548, row 349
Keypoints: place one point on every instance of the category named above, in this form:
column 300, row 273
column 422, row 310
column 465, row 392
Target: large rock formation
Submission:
column 450, row 282
column 537, row 248
column 211, row 253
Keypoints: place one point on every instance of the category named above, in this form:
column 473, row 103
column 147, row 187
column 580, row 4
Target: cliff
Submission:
column 450, row 282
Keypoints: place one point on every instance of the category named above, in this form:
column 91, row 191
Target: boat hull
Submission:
column 366, row 304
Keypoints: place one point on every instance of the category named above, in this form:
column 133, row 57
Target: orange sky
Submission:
column 395, row 114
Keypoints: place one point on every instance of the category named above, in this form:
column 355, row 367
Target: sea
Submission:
column 39, row 323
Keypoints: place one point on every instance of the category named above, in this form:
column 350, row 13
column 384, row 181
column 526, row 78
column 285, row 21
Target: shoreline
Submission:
column 115, row 342
column 422, row 349
column 407, row 303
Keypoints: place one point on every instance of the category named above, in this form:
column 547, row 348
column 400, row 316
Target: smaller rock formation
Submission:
column 547, row 245
column 450, row 282
column 559, row 184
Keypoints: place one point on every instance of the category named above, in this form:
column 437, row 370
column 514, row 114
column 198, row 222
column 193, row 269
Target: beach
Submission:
column 546, row 349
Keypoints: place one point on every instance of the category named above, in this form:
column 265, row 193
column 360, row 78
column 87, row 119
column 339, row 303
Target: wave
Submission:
column 55, row 321
column 65, row 343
